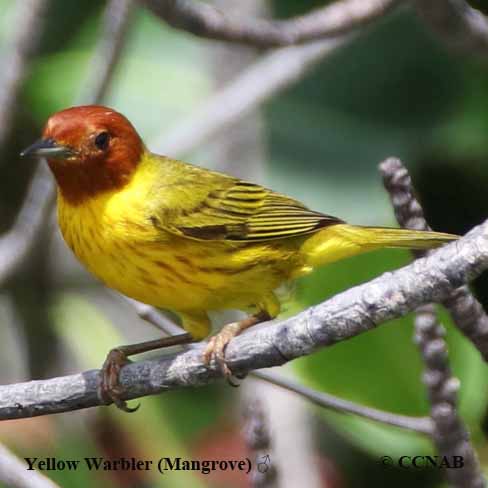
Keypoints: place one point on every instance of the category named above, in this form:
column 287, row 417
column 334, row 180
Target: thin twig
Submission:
column 204, row 20
column 258, row 441
column 461, row 26
column 467, row 313
column 470, row 317
column 14, row 473
column 265, row 78
column 417, row 424
column 14, row 359
column 152, row 316
column 346, row 315
column 117, row 20
column 262, row 80
column 20, row 240
column 450, row 434
column 29, row 25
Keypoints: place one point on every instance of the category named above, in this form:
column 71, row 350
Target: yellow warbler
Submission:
column 184, row 238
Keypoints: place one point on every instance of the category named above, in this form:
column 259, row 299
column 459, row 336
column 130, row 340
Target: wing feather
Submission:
column 243, row 211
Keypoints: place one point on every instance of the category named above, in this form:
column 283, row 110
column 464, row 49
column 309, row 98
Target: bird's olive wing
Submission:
column 247, row 212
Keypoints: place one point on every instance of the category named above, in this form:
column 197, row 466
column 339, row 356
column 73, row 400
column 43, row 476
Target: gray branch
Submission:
column 470, row 318
column 207, row 21
column 450, row 434
column 14, row 473
column 346, row 315
column 457, row 23
column 466, row 311
column 20, row 240
column 256, row 433
column 422, row 425
column 29, row 25
column 265, row 78
column 418, row 424
column 117, row 20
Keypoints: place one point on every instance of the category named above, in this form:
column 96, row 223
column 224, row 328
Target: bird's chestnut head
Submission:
column 90, row 149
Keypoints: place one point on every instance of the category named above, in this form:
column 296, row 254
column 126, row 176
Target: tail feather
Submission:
column 343, row 240
column 405, row 238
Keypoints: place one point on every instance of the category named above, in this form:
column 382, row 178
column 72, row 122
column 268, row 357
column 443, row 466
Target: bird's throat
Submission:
column 79, row 182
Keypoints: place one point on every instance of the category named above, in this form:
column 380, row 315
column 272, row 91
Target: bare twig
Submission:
column 262, row 80
column 449, row 435
column 241, row 148
column 153, row 316
column 291, row 423
column 461, row 26
column 417, row 424
column 470, row 317
column 29, row 24
column 117, row 19
column 204, row 20
column 18, row 242
column 466, row 311
column 14, row 360
column 14, row 473
column 258, row 440
column 346, row 315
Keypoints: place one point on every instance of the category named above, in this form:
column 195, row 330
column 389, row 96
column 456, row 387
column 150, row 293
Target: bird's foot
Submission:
column 218, row 343
column 216, row 349
column 110, row 389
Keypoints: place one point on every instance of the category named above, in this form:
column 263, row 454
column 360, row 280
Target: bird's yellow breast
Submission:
column 113, row 235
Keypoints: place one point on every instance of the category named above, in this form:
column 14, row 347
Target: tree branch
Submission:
column 346, row 315
column 422, row 425
column 467, row 313
column 204, row 20
column 449, row 434
column 457, row 23
column 14, row 473
column 418, row 424
column 29, row 25
column 20, row 240
column 257, row 436
column 117, row 19
column 264, row 79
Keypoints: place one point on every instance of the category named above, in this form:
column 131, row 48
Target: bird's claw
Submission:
column 110, row 389
column 216, row 350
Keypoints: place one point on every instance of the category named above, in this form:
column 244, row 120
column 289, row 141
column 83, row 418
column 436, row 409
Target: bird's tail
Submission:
column 342, row 240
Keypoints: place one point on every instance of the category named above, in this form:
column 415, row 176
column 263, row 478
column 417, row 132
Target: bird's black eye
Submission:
column 102, row 140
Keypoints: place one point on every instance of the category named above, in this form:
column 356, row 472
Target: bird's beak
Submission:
column 47, row 148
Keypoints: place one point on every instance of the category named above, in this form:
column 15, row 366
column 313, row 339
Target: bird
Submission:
column 184, row 238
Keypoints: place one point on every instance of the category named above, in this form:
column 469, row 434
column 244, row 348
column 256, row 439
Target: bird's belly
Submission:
column 176, row 273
